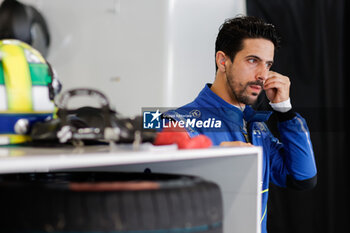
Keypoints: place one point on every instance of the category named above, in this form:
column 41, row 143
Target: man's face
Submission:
column 249, row 70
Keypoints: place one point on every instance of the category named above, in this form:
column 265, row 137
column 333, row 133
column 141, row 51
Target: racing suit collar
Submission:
column 230, row 112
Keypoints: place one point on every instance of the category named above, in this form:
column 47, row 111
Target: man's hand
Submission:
column 276, row 87
column 235, row 143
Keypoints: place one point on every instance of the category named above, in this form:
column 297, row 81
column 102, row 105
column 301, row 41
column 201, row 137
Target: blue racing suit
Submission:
column 287, row 163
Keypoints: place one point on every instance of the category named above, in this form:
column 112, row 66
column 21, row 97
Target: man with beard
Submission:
column 244, row 55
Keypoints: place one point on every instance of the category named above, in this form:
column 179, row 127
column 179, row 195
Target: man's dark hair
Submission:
column 233, row 31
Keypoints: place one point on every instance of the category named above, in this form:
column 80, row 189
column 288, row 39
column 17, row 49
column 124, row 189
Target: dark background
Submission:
column 313, row 55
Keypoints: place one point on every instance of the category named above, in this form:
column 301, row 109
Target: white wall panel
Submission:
column 193, row 27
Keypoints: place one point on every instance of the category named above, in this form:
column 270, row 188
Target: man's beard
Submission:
column 240, row 95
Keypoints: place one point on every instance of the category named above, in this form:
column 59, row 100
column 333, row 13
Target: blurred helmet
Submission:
column 27, row 88
column 23, row 22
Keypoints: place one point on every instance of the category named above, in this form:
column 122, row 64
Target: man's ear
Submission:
column 221, row 61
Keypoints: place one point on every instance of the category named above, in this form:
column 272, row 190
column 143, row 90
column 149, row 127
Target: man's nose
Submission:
column 263, row 73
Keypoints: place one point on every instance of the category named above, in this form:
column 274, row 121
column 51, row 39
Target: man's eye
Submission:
column 252, row 60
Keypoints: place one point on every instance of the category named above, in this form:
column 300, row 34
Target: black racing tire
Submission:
column 113, row 202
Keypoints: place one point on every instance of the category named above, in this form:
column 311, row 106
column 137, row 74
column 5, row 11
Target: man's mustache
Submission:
column 257, row 82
